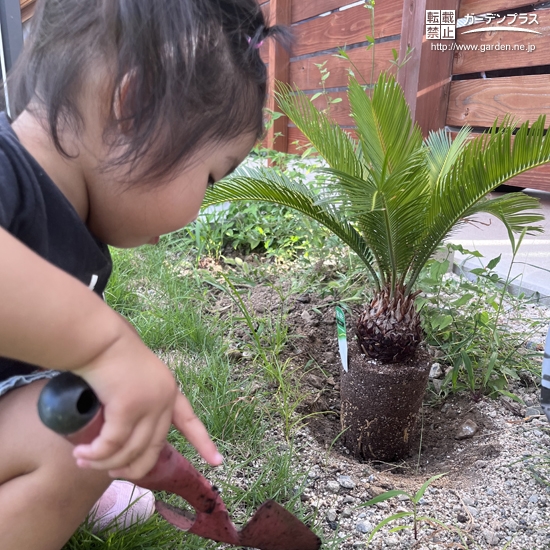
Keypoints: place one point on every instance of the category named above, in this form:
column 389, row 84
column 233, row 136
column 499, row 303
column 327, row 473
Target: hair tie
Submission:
column 258, row 45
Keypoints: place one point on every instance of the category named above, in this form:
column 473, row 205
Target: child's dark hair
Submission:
column 182, row 73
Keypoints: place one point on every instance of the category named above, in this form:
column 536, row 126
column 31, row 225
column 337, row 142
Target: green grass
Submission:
column 168, row 308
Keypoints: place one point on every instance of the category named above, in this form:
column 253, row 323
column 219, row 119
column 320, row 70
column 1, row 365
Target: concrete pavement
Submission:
column 531, row 269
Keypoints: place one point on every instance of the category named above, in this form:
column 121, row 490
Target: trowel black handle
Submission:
column 67, row 405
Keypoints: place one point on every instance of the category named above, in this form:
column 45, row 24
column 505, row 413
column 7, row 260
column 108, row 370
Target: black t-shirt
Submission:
column 33, row 209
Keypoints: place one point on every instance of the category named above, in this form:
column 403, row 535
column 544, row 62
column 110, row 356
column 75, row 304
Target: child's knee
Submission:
column 28, row 446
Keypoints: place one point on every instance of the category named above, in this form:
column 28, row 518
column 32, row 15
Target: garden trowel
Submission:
column 69, row 406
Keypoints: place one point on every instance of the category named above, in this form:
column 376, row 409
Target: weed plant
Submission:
column 469, row 322
column 416, row 519
column 277, row 232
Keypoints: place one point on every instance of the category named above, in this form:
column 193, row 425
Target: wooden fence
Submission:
column 503, row 72
column 485, row 76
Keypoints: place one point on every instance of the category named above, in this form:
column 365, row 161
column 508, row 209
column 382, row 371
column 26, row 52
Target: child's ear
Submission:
column 122, row 103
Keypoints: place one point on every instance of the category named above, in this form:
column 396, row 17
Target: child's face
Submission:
column 133, row 216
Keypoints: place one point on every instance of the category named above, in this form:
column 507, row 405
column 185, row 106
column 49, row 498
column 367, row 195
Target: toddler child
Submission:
column 123, row 112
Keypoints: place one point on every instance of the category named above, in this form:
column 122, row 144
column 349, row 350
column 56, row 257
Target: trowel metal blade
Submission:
column 274, row 528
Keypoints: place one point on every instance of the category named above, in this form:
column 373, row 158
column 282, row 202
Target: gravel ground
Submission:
column 489, row 498
column 492, row 502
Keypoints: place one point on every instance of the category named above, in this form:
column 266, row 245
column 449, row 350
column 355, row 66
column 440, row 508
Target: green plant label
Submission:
column 342, row 337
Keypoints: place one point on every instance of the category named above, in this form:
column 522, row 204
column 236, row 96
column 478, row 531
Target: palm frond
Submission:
column 442, row 152
column 333, row 143
column 384, row 123
column 250, row 184
column 484, row 164
column 514, row 210
column 395, row 155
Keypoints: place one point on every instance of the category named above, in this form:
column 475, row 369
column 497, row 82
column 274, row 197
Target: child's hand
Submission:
column 140, row 399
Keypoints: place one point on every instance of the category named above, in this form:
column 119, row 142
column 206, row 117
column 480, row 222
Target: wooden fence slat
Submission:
column 480, row 102
column 486, row 58
column 278, row 70
column 537, row 178
column 305, row 10
column 346, row 28
column 306, row 75
column 412, row 25
column 27, row 9
column 434, row 78
column 493, row 6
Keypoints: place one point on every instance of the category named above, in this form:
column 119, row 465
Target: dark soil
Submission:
column 313, row 349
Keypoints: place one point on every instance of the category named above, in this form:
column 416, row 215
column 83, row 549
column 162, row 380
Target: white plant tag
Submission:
column 342, row 338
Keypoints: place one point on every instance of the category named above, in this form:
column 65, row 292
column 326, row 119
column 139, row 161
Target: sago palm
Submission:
column 393, row 197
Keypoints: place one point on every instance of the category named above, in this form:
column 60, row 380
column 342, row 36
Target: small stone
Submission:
column 331, row 515
column 333, row 525
column 402, row 498
column 537, row 433
column 235, row 354
column 392, row 541
column 491, row 537
column 462, row 518
column 533, row 411
column 511, row 525
column 364, row 527
column 469, row 501
column 436, row 371
column 467, row 430
column 438, row 385
column 333, row 487
column 359, row 545
column 533, row 499
column 347, row 512
column 346, row 482
column 304, row 497
column 473, row 511
column 490, row 491
column 348, row 500
column 304, row 299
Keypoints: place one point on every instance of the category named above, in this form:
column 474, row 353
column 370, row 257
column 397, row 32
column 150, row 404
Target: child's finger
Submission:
column 187, row 422
column 146, row 462
column 113, row 437
column 138, row 454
